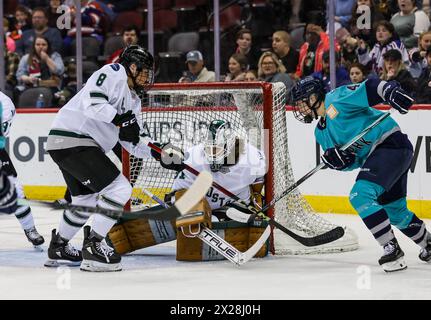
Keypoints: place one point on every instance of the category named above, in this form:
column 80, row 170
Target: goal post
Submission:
column 180, row 114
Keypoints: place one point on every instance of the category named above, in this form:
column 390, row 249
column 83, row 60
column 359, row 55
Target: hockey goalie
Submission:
column 237, row 166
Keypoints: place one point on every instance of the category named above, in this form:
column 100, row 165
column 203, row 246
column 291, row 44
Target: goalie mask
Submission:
column 144, row 61
column 219, row 145
column 306, row 97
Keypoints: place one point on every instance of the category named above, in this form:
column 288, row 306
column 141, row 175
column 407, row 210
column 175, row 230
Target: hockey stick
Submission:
column 193, row 195
column 237, row 215
column 223, row 247
column 326, row 237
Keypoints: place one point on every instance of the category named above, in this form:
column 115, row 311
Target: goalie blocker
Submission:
column 131, row 235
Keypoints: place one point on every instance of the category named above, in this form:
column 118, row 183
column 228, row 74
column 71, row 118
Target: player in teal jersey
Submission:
column 383, row 155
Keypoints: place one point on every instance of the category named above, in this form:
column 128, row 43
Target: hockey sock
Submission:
column 363, row 198
column 406, row 221
column 24, row 216
column 71, row 223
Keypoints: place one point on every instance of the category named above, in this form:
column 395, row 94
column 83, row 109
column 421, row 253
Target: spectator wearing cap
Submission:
column 341, row 74
column 244, row 41
column 410, row 22
column 281, row 47
column 39, row 20
column 386, row 40
column 424, row 81
column 197, row 72
column 130, row 36
column 395, row 69
column 311, row 52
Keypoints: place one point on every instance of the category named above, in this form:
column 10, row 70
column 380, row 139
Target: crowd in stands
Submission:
column 266, row 40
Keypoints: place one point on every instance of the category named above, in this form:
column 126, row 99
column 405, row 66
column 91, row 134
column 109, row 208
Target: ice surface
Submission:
column 153, row 273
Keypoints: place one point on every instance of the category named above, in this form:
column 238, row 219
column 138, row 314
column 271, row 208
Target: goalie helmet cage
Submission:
column 180, row 113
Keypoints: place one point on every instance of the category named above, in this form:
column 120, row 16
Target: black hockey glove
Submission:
column 338, row 159
column 397, row 97
column 172, row 158
column 8, row 196
column 129, row 127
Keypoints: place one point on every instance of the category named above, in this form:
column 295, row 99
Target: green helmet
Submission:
column 218, row 145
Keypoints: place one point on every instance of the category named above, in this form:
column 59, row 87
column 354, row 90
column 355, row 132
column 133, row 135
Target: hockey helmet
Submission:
column 144, row 61
column 303, row 109
column 219, row 144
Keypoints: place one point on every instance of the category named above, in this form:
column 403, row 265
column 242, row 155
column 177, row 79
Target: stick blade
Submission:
column 237, row 215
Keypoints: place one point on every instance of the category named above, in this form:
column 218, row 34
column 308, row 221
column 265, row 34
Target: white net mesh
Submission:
column 182, row 115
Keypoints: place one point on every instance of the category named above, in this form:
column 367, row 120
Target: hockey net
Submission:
column 181, row 113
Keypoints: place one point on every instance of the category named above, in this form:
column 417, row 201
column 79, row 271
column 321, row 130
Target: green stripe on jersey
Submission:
column 99, row 95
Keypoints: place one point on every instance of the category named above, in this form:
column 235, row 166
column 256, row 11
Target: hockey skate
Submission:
column 425, row 254
column 60, row 252
column 97, row 255
column 34, row 237
column 393, row 257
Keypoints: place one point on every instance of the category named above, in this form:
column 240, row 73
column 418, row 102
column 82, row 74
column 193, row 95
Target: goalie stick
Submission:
column 193, row 195
column 223, row 247
column 326, row 237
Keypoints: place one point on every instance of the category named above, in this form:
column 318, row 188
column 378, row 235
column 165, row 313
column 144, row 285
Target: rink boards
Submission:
column 327, row 191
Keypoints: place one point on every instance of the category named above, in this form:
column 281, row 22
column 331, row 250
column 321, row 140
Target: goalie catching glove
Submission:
column 172, row 158
column 129, row 127
column 338, row 159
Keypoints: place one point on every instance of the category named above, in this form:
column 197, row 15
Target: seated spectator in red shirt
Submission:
column 311, row 52
column 130, row 36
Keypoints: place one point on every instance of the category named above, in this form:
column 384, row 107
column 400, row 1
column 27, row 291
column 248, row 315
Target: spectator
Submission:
column 41, row 67
column 53, row 15
column 40, row 28
column 251, row 75
column 386, row 40
column 357, row 73
column 68, row 84
column 11, row 66
column 361, row 31
column 93, row 19
column 10, row 43
column 197, row 72
column 272, row 70
column 410, row 22
column 343, row 13
column 348, row 47
column 130, row 36
column 341, row 74
column 395, row 69
column 23, row 22
column 244, row 40
column 418, row 55
column 424, row 82
column 288, row 55
column 311, row 52
column 238, row 66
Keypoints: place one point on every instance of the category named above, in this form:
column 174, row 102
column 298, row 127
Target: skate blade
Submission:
column 396, row 265
column 50, row 263
column 94, row 266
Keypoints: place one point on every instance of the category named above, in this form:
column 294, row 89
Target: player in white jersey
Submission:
column 22, row 212
column 238, row 168
column 101, row 114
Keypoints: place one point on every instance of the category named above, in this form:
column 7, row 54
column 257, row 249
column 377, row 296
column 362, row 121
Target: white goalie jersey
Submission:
column 8, row 113
column 86, row 119
column 249, row 170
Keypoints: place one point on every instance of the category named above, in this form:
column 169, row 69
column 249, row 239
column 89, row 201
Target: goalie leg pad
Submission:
column 199, row 214
column 239, row 235
column 136, row 234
